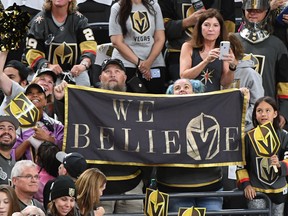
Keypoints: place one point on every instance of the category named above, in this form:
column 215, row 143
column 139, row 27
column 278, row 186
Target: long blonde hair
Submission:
column 87, row 185
column 47, row 6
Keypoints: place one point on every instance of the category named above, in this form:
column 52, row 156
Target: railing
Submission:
column 266, row 211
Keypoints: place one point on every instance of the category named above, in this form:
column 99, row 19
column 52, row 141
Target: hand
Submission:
column 144, row 68
column 230, row 58
column 249, row 192
column 99, row 212
column 55, row 68
column 212, row 55
column 274, row 161
column 274, row 4
column 41, row 134
column 245, row 91
column 59, row 90
column 193, row 18
column 282, row 121
column 78, row 69
column 285, row 18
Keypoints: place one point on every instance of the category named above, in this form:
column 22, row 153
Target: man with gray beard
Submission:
column 113, row 75
column 8, row 127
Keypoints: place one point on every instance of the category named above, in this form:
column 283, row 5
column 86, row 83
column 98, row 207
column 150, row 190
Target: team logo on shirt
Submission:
column 140, row 21
column 207, row 129
column 63, row 54
column 258, row 60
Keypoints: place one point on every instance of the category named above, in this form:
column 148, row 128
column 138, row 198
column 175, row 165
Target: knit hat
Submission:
column 62, row 186
column 74, row 163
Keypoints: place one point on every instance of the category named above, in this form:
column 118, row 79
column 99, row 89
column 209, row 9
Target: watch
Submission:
column 232, row 67
column 85, row 63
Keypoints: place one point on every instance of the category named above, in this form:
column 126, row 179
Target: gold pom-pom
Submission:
column 13, row 27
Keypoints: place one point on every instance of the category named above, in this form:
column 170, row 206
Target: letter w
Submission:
column 119, row 108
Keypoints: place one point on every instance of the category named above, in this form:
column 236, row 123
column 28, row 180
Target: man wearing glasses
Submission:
column 268, row 52
column 25, row 180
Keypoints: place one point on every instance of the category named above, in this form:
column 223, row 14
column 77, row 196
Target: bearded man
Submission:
column 8, row 127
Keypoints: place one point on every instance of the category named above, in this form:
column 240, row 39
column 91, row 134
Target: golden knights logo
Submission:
column 207, row 129
column 192, row 211
column 140, row 21
column 265, row 143
column 187, row 10
column 156, row 203
column 23, row 110
column 259, row 61
column 63, row 54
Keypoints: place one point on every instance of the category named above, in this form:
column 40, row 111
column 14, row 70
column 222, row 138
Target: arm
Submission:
column 5, row 81
column 123, row 48
column 21, row 149
column 186, row 69
column 159, row 40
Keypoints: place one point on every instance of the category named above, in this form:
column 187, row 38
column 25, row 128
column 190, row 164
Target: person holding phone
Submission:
column 199, row 57
column 136, row 31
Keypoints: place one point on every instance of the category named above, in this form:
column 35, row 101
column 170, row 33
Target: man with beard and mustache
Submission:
column 8, row 127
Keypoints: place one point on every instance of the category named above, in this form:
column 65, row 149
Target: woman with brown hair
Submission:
column 8, row 201
column 199, row 58
column 90, row 186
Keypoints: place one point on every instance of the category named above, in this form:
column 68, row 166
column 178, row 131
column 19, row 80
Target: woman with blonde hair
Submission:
column 90, row 186
column 8, row 201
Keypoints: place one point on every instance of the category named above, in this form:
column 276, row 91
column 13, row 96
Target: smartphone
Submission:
column 224, row 48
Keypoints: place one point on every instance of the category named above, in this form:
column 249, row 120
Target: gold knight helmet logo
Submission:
column 207, row 129
column 193, row 211
column 140, row 21
column 156, row 203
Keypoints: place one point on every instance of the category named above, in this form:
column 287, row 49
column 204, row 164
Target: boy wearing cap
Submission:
column 47, row 128
column 8, row 127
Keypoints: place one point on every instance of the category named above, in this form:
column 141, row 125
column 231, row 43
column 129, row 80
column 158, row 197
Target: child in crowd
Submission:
column 266, row 169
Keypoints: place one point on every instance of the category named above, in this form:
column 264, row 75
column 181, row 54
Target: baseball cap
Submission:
column 11, row 119
column 62, row 186
column 118, row 62
column 35, row 86
column 46, row 71
column 74, row 163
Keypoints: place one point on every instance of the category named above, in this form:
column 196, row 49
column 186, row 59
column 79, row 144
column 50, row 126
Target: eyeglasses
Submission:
column 30, row 177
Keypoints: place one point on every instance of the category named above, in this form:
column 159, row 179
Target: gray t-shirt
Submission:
column 141, row 26
column 16, row 90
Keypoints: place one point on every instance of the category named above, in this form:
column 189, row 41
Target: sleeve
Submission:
column 35, row 42
column 159, row 17
column 114, row 26
column 172, row 23
column 58, row 134
column 86, row 40
column 242, row 175
column 284, row 157
column 282, row 80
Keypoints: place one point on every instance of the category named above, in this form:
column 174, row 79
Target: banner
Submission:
column 200, row 130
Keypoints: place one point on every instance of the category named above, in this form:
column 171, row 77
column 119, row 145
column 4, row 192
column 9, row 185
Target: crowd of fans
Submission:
column 159, row 47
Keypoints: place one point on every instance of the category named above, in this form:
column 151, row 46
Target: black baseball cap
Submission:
column 46, row 71
column 11, row 119
column 118, row 62
column 74, row 163
column 34, row 86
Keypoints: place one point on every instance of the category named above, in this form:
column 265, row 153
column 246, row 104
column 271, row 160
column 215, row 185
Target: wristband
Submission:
column 138, row 63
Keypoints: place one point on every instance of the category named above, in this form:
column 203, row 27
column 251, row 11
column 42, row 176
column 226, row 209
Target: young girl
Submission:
column 266, row 169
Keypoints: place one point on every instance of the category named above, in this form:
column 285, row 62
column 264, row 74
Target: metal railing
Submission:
column 266, row 211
